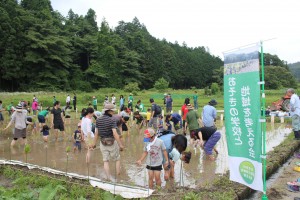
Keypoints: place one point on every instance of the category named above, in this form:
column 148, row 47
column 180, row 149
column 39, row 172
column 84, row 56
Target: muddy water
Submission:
column 200, row 171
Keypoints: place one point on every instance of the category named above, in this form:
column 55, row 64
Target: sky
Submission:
column 219, row 25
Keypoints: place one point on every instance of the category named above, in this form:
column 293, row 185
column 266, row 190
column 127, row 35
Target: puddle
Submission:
column 199, row 172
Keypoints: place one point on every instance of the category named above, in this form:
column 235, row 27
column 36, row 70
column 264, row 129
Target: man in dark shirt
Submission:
column 57, row 119
column 153, row 119
column 110, row 145
column 211, row 136
column 74, row 101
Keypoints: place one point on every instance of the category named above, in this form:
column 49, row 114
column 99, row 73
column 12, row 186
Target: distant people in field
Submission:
column 184, row 111
column 209, row 114
column 195, row 98
column 113, row 99
column 95, row 103
column 34, row 106
column 68, row 100
column 74, row 101
column 139, row 106
column 1, row 109
column 169, row 103
column 155, row 111
column 122, row 101
column 54, row 100
column 130, row 102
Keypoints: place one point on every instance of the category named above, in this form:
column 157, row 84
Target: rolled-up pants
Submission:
column 211, row 142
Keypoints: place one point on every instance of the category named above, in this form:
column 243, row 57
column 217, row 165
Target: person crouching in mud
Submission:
column 175, row 147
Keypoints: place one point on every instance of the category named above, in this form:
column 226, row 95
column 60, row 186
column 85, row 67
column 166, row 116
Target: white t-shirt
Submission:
column 68, row 99
column 86, row 126
column 295, row 105
column 113, row 100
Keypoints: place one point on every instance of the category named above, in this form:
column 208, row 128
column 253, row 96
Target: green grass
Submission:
column 83, row 98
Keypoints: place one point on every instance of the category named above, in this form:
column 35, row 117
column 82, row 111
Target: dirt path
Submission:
column 278, row 187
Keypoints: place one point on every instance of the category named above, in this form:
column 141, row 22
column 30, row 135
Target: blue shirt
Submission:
column 209, row 114
column 169, row 102
column 167, row 139
column 176, row 118
column 121, row 101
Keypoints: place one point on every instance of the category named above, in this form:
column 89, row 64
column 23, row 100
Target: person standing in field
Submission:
column 113, row 99
column 54, row 100
column 19, row 118
column 94, row 103
column 74, row 101
column 57, row 119
column 195, row 98
column 169, row 103
column 1, row 109
column 184, row 111
column 110, row 145
column 122, row 101
column 130, row 102
column 155, row 111
column 34, row 106
column 209, row 114
column 294, row 111
column 68, row 100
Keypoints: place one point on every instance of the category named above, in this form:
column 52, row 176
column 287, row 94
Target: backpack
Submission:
column 157, row 109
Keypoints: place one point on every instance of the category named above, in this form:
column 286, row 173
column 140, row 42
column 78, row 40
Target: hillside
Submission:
column 295, row 69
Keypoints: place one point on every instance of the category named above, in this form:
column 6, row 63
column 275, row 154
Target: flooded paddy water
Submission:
column 200, row 171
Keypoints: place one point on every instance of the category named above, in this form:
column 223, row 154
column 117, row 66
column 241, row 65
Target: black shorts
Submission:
column 154, row 168
column 124, row 127
column 41, row 119
column 68, row 116
column 59, row 125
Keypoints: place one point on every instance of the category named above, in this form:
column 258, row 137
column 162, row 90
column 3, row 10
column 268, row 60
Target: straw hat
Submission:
column 19, row 107
column 109, row 106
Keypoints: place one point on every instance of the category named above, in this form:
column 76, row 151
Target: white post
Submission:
column 163, row 114
column 221, row 117
column 281, row 119
column 272, row 119
column 179, row 112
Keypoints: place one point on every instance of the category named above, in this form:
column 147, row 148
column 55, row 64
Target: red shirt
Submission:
column 184, row 111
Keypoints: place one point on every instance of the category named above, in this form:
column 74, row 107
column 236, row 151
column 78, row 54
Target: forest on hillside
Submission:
column 40, row 49
column 295, row 69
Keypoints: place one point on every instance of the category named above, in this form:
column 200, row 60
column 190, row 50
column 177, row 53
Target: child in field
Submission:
column 148, row 116
column 160, row 123
column 154, row 150
column 77, row 139
column 139, row 120
column 45, row 132
column 169, row 125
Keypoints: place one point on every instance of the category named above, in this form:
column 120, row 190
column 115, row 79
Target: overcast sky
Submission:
column 220, row 25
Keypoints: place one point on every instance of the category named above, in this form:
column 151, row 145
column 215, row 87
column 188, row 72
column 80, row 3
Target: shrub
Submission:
column 207, row 91
column 161, row 84
column 132, row 87
column 215, row 88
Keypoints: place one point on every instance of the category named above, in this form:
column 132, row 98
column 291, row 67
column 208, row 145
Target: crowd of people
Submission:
column 164, row 136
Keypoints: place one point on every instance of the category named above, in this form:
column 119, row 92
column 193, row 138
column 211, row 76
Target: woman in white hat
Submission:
column 19, row 117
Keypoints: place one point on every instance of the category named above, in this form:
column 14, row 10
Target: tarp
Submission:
column 125, row 191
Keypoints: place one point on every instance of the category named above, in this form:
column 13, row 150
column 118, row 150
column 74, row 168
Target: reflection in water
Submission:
column 200, row 171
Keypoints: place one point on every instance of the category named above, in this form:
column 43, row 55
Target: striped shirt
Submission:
column 105, row 124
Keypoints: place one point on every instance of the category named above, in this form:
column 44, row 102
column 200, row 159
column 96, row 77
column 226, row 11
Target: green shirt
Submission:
column 195, row 97
column 44, row 113
column 94, row 102
column 192, row 120
column 130, row 99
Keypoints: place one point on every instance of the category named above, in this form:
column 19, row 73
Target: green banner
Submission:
column 242, row 116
